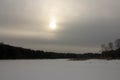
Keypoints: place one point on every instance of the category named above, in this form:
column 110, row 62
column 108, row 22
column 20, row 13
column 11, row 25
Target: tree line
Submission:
column 111, row 46
column 110, row 51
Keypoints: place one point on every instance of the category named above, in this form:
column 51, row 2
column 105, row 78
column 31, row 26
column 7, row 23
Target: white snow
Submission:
column 59, row 70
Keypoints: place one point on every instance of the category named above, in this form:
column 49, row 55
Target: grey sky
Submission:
column 82, row 25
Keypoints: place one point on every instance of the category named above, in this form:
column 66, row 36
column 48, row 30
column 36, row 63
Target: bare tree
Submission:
column 117, row 43
column 110, row 46
column 104, row 48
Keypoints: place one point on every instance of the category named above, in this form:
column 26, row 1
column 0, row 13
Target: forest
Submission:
column 108, row 52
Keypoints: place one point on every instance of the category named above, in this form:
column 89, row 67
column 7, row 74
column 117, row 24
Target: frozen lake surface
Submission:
column 59, row 70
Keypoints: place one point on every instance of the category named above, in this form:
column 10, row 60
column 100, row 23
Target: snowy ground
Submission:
column 59, row 70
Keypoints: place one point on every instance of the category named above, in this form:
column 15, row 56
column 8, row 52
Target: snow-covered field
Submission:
column 59, row 70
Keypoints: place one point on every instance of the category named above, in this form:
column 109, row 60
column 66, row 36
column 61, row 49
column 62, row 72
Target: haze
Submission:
column 81, row 25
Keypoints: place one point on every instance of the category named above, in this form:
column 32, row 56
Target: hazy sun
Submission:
column 53, row 24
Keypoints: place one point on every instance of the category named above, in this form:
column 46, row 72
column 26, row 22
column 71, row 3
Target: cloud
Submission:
column 87, row 23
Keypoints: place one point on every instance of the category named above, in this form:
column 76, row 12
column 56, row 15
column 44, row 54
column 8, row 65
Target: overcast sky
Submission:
column 81, row 25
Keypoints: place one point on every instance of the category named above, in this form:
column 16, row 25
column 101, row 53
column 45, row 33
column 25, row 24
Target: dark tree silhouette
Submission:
column 117, row 43
column 11, row 52
column 110, row 46
column 104, row 47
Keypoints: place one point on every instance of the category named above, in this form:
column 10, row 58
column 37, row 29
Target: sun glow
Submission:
column 53, row 24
